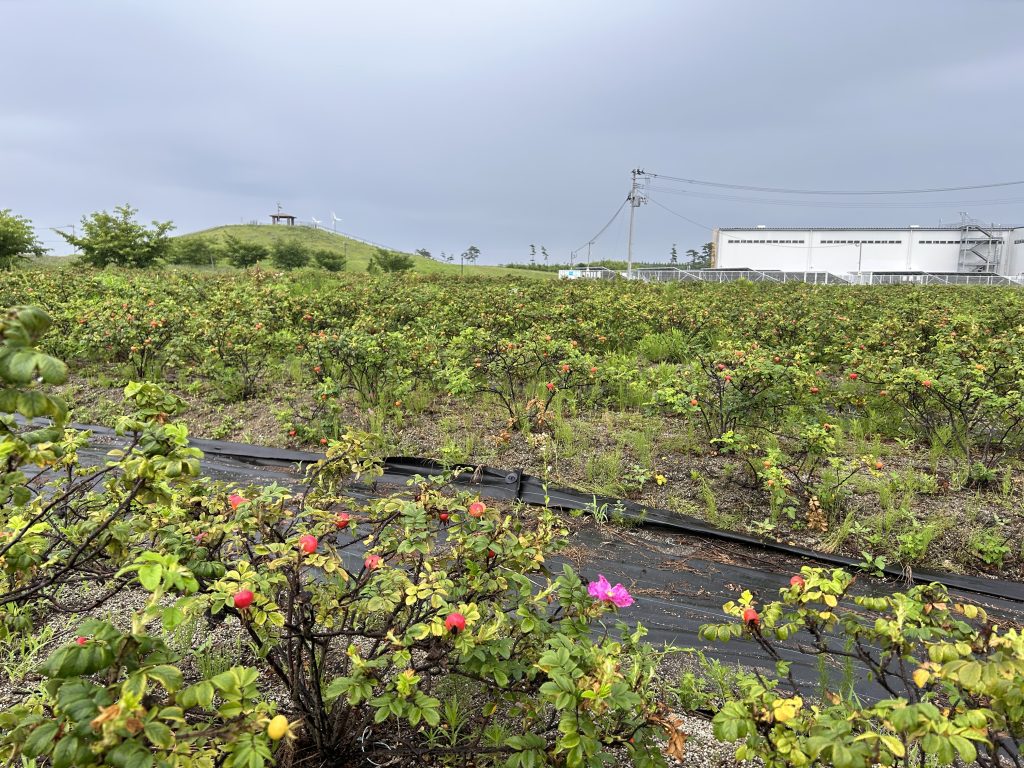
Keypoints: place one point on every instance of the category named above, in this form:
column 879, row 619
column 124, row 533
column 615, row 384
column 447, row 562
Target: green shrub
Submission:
column 384, row 260
column 290, row 254
column 952, row 680
column 330, row 260
column 243, row 254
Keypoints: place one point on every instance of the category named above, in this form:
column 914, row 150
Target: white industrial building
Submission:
column 970, row 248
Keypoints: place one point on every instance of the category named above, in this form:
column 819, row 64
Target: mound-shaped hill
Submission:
column 358, row 252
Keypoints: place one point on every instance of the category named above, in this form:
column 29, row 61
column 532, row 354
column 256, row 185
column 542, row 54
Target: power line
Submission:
column 605, row 227
column 835, row 203
column 783, row 190
column 674, row 213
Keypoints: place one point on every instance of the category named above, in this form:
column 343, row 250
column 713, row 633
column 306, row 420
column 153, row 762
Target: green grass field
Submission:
column 358, row 253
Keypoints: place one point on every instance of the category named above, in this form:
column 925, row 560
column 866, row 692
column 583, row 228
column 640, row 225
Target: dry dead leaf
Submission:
column 106, row 713
column 673, row 725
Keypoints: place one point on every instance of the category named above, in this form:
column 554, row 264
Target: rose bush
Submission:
column 399, row 634
column 950, row 679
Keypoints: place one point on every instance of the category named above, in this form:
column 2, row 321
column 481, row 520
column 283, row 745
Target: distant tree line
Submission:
column 695, row 259
column 471, row 254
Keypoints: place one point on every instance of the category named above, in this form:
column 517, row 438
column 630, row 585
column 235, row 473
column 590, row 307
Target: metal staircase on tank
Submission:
column 981, row 251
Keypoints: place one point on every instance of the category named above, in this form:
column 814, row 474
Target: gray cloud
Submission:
column 442, row 124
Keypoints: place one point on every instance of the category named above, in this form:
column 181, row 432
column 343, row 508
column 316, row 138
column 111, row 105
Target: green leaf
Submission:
column 21, row 366
column 172, row 617
column 843, row 756
column 731, row 722
column 227, row 683
column 33, row 404
column 78, row 701
column 135, row 686
column 78, row 660
column 130, row 754
column 893, row 744
column 40, row 740
column 967, row 750
column 432, row 716
column 198, row 695
column 67, row 753
column 418, row 631
column 149, row 576
column 970, row 674
column 169, row 677
column 159, row 734
column 52, row 370
column 8, row 400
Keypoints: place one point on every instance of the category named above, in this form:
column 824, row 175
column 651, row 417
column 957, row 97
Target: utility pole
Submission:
column 588, row 253
column 635, row 201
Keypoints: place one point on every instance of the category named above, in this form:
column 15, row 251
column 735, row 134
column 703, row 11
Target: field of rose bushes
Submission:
column 150, row 616
column 882, row 420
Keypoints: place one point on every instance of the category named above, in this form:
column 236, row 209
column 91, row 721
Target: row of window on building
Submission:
column 957, row 242
column 861, row 242
column 876, row 242
column 781, row 242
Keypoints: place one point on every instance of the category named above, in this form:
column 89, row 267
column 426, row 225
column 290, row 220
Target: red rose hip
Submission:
column 455, row 623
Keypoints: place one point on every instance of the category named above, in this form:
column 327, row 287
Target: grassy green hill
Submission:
column 358, row 253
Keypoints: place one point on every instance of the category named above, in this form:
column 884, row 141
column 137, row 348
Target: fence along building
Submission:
column 970, row 248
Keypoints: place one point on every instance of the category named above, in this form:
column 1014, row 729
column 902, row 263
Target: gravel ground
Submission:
column 703, row 750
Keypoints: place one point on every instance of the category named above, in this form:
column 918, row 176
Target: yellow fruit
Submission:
column 278, row 727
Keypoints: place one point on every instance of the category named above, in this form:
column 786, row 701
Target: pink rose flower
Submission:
column 604, row 591
column 236, row 501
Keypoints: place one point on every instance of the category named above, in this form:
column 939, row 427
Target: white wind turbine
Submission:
column 334, row 221
column 316, row 222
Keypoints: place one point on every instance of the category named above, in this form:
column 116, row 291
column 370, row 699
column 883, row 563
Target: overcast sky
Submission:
column 440, row 124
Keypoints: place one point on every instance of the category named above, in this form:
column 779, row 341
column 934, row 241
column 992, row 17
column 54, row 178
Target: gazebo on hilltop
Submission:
column 282, row 218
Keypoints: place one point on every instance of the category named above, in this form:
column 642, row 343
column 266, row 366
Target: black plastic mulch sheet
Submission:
column 679, row 569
